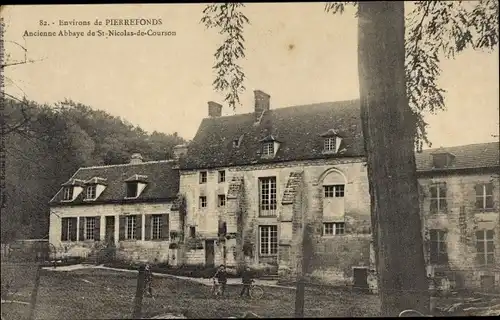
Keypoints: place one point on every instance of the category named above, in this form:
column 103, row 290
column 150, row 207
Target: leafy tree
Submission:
column 398, row 61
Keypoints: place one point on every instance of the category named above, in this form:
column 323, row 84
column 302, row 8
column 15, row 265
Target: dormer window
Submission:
column 68, row 193
column 330, row 144
column 72, row 189
column 331, row 141
column 132, row 188
column 90, row 193
column 135, row 185
column 442, row 159
column 270, row 146
column 268, row 149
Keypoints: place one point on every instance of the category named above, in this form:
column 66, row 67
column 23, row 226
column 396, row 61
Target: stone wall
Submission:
column 153, row 251
column 461, row 221
column 356, row 205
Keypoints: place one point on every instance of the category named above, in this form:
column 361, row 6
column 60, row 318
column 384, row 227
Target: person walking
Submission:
column 221, row 276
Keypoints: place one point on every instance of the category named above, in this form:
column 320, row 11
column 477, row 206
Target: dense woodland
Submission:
column 47, row 144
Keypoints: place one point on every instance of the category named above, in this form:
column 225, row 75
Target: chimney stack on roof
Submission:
column 136, row 158
column 262, row 103
column 214, row 109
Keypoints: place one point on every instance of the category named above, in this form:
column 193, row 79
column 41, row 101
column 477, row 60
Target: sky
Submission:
column 164, row 83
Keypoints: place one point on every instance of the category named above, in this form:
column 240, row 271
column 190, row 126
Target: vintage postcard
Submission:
column 239, row 160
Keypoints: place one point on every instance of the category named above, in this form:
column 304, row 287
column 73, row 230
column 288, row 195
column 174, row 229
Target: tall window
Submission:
column 335, row 191
column 438, row 252
column 203, row 177
column 68, row 229
column 268, row 202
column 330, row 144
column 203, row 202
column 268, row 240
column 192, row 232
column 91, row 192
column 268, row 149
column 333, row 228
column 485, row 247
column 222, row 176
column 130, row 226
column 89, row 230
column 67, row 193
column 132, row 188
column 438, row 197
column 156, row 225
column 221, row 200
column 484, row 196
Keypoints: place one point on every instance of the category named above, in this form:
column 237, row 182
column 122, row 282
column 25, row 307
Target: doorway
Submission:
column 360, row 277
column 110, row 229
column 209, row 253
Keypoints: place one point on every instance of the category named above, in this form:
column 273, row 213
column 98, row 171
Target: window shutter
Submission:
column 147, row 227
column 64, row 230
column 165, row 227
column 121, row 228
column 138, row 228
column 82, row 228
column 73, row 230
column 97, row 229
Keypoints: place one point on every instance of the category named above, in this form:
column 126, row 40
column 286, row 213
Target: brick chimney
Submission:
column 136, row 158
column 261, row 103
column 214, row 109
column 180, row 150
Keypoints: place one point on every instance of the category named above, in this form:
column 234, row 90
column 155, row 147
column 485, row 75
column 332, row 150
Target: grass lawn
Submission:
column 105, row 294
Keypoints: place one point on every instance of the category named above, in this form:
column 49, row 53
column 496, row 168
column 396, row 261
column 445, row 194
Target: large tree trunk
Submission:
column 389, row 131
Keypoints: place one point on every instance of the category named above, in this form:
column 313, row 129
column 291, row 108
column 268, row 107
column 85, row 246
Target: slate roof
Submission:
column 297, row 128
column 471, row 156
column 162, row 182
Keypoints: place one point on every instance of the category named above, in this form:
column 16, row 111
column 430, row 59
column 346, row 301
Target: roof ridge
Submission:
column 125, row 164
column 289, row 107
column 462, row 145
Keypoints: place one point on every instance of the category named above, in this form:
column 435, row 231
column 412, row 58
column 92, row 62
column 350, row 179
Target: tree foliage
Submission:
column 52, row 145
column 229, row 20
column 435, row 30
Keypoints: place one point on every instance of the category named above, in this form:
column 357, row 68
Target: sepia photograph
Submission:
column 250, row 160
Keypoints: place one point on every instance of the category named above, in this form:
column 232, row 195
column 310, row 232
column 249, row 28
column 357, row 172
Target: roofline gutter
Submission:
column 116, row 201
column 444, row 171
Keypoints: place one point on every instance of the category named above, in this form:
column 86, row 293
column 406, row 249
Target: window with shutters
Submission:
column 484, row 196
column 485, row 247
column 68, row 193
column 130, row 227
column 438, row 253
column 268, row 236
column 268, row 200
column 89, row 228
column 438, row 198
column 156, row 226
column 68, row 229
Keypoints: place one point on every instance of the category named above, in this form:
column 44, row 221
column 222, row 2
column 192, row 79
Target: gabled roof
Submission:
column 162, row 182
column 298, row 129
column 470, row 156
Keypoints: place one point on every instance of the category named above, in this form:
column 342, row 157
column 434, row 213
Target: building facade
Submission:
column 128, row 207
column 459, row 189
column 245, row 188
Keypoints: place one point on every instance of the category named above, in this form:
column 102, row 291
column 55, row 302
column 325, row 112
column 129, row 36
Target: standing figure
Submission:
column 246, row 279
column 221, row 276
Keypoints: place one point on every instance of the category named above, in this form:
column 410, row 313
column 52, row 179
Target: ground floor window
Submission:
column 268, row 237
column 130, row 225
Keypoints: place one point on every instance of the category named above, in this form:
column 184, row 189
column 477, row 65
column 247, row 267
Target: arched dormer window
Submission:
column 94, row 187
column 334, row 191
